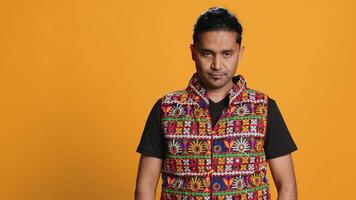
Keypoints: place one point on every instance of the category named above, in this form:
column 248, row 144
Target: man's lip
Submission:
column 216, row 75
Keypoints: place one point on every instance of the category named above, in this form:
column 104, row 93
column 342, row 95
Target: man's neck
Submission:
column 216, row 95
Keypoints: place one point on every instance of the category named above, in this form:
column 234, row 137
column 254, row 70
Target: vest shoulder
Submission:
column 257, row 92
column 173, row 95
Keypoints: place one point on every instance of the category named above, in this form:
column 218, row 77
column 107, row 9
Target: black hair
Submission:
column 216, row 19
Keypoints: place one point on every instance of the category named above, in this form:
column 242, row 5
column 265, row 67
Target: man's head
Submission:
column 216, row 47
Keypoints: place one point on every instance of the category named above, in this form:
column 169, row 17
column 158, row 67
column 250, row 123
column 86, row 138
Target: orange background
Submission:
column 78, row 79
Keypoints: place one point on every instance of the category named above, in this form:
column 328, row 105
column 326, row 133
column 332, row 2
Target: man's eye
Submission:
column 227, row 54
column 207, row 54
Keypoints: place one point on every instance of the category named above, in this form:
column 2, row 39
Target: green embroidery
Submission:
column 242, row 117
column 241, row 191
column 187, row 156
column 243, row 154
column 184, row 119
column 206, row 120
column 216, row 193
column 238, row 154
column 186, row 192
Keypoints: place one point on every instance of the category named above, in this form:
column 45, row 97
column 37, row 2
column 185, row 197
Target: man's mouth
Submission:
column 216, row 75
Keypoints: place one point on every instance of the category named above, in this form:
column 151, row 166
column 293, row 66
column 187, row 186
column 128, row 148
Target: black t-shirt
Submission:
column 278, row 140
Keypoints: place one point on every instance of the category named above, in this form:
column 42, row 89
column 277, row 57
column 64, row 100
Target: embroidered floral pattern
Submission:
column 176, row 111
column 195, row 184
column 239, row 183
column 242, row 110
column 174, row 147
column 196, row 147
column 241, row 145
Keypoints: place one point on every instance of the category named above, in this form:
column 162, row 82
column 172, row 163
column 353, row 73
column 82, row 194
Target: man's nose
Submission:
column 216, row 63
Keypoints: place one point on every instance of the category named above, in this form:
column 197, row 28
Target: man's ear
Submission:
column 241, row 51
column 192, row 51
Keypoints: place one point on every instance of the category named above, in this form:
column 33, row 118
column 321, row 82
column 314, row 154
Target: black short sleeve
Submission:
column 152, row 139
column 278, row 140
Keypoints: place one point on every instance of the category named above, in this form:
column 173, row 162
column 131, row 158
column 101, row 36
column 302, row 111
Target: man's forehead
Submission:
column 218, row 40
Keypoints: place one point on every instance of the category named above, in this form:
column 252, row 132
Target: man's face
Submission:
column 216, row 56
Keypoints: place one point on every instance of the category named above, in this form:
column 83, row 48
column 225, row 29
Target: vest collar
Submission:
column 237, row 88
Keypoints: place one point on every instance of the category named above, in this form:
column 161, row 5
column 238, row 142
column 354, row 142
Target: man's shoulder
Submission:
column 174, row 95
column 261, row 96
column 175, row 92
column 258, row 94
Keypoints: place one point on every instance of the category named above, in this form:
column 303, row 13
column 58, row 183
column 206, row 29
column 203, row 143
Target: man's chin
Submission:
column 216, row 83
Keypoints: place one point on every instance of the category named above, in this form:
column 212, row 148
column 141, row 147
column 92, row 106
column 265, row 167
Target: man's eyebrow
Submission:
column 231, row 49
column 205, row 49
column 210, row 50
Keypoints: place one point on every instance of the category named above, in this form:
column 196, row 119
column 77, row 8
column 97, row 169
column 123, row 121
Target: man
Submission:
column 215, row 138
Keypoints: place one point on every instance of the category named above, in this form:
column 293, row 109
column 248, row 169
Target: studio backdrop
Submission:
column 78, row 79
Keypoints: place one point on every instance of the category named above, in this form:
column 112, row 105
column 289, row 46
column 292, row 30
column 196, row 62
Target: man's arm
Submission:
column 282, row 170
column 147, row 178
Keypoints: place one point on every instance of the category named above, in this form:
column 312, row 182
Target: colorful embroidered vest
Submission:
column 226, row 161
